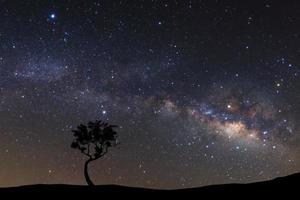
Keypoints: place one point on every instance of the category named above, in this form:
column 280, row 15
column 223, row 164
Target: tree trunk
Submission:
column 86, row 173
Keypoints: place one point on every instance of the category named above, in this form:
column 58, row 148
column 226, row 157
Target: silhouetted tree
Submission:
column 93, row 140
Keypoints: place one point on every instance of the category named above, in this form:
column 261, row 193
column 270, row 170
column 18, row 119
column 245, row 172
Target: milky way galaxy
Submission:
column 204, row 92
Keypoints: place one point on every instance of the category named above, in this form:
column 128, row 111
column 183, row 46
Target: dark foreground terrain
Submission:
column 287, row 186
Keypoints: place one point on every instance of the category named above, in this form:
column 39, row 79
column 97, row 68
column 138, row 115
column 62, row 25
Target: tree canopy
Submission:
column 94, row 139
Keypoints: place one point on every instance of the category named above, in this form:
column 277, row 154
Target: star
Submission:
column 52, row 16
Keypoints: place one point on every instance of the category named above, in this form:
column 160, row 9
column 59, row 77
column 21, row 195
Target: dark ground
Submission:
column 283, row 186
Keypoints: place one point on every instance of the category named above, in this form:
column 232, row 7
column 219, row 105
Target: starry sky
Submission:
column 204, row 92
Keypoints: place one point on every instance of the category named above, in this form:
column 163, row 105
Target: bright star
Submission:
column 52, row 16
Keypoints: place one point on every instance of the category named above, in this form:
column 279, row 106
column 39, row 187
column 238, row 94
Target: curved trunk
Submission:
column 86, row 173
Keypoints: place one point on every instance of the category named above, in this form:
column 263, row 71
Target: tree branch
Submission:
column 87, row 153
column 104, row 152
column 88, row 149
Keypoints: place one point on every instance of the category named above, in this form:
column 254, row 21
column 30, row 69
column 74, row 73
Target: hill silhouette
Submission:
column 283, row 185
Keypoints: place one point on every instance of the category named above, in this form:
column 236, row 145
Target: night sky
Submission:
column 204, row 92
